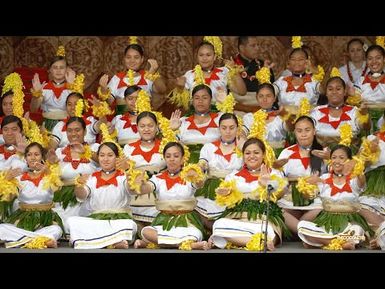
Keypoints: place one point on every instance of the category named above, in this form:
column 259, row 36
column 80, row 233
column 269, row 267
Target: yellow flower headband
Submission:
column 133, row 40
column 335, row 72
column 296, row 42
column 263, row 75
column 61, row 51
column 380, row 40
column 217, row 43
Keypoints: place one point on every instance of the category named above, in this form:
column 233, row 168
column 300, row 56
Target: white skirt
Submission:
column 144, row 213
column 373, row 204
column 176, row 235
column 287, row 203
column 208, row 208
column 88, row 233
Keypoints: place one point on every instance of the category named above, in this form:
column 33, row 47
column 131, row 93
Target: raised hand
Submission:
column 175, row 121
column 268, row 64
column 70, row 75
column 154, row 66
column 348, row 167
column 82, row 180
column 94, row 100
column 314, row 179
column 103, row 81
column 40, row 167
column 230, row 63
column 21, row 143
column 221, row 94
column 36, row 84
column 13, row 173
column 264, row 176
column 280, row 163
column 123, row 164
column 323, row 154
column 51, row 156
column 180, row 82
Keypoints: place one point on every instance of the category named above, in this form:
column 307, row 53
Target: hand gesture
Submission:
column 21, row 143
column 241, row 141
column 348, row 167
column 314, row 179
column 52, row 157
column 103, row 81
column 140, row 179
column 264, row 176
column 123, row 164
column 230, row 63
column 36, row 84
column 94, row 100
column 280, row 163
column 221, row 94
column 41, row 167
column 323, row 154
column 267, row 63
column 374, row 145
column 364, row 108
column 223, row 191
column 82, row 180
column 175, row 121
column 180, row 82
column 70, row 75
column 13, row 173
column 153, row 66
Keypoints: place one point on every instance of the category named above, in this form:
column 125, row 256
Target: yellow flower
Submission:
column 355, row 99
column 186, row 156
column 132, row 175
column 130, row 76
column 359, row 167
column 362, row 118
column 217, row 43
column 256, row 242
column 78, row 85
column 180, row 98
column 103, row 96
column 8, row 188
column 61, row 51
column 380, row 40
column 186, row 245
column 14, row 83
column 335, row 72
column 152, row 246
column 319, row 76
column 366, row 154
column 346, row 134
column 87, row 153
column 335, row 244
column 103, row 109
column 143, row 102
column 133, row 40
column 227, row 106
column 53, row 179
column 39, row 242
column 262, row 191
column 79, row 108
column 199, row 78
column 200, row 176
column 151, row 76
column 110, row 138
column 308, row 190
column 232, row 199
column 296, row 42
column 263, row 75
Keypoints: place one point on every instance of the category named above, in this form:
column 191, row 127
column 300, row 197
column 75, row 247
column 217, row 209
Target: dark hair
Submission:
column 144, row 114
column 346, row 149
column 299, row 49
column 136, row 47
column 173, row 144
column 203, row 43
column 9, row 92
column 338, row 79
column 77, row 119
column 10, row 119
column 77, row 94
column 200, row 87
column 315, row 162
column 228, row 116
column 351, row 41
column 56, row 59
column 35, row 144
column 131, row 89
column 111, row 145
column 243, row 40
column 254, row 140
column 375, row 47
column 271, row 88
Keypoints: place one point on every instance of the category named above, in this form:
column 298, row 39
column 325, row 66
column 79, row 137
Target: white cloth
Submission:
column 51, row 103
column 368, row 94
column 124, row 134
column 118, row 93
column 355, row 72
column 275, row 130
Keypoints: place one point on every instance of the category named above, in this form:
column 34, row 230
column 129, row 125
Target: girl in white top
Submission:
column 110, row 222
column 215, row 77
column 145, row 153
column 356, row 65
column 33, row 216
column 175, row 199
column 331, row 116
column 239, row 223
column 339, row 191
column 133, row 60
column 199, row 128
column 292, row 89
column 125, row 124
column 303, row 159
column 218, row 158
column 52, row 96
column 59, row 132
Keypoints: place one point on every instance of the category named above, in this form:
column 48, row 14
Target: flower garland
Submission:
column 198, row 178
column 79, row 108
column 359, row 167
column 133, row 40
column 308, row 190
column 217, row 43
column 346, row 134
column 34, row 134
column 180, row 97
column 366, row 153
column 52, row 180
column 362, row 118
column 8, row 188
column 13, row 82
column 256, row 242
column 152, row 246
column 262, row 191
column 103, row 96
column 198, row 75
column 355, row 99
column 232, row 199
column 380, row 40
column 186, row 245
column 304, row 108
column 107, row 137
column 78, row 84
column 39, row 242
column 130, row 76
column 143, row 102
column 151, row 76
column 102, row 109
column 227, row 106
column 335, row 244
column 263, row 75
column 296, row 42
column 61, row 51
column 234, row 71
column 132, row 175
column 36, row 93
column 319, row 76
column 335, row 72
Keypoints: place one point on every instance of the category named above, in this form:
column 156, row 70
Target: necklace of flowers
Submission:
column 350, row 73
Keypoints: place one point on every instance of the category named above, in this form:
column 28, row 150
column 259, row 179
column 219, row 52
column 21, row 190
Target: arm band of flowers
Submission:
column 308, row 190
column 152, row 76
column 362, row 118
column 52, row 180
column 200, row 176
column 103, row 96
column 320, row 74
column 101, row 110
column 180, row 97
column 262, row 191
column 366, row 153
column 232, row 199
column 37, row 93
column 8, row 188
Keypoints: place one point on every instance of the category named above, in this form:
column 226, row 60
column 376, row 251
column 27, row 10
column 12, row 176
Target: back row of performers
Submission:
column 318, row 189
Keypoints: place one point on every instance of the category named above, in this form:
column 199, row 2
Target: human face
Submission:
column 298, row 62
column 250, row 49
column 338, row 158
column 253, row 156
column 7, row 105
column 206, row 57
column 75, row 132
column 71, row 104
column 133, row 60
column 335, row 92
column 265, row 98
column 10, row 131
column 131, row 100
column 33, row 157
column 304, row 132
column 201, row 101
column 228, row 130
column 58, row 70
column 356, row 52
column 147, row 128
column 375, row 61
column 107, row 158
column 174, row 159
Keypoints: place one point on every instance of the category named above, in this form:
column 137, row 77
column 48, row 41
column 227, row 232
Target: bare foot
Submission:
column 140, row 244
column 270, row 246
column 373, row 244
column 203, row 245
column 307, row 246
column 121, row 245
column 210, row 242
column 51, row 243
column 349, row 246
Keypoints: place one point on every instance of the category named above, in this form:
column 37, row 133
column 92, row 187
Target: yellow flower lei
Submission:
column 130, row 76
column 256, row 242
column 38, row 242
column 362, row 118
column 79, row 108
column 346, row 134
column 180, row 97
column 151, row 76
column 296, row 42
column 52, row 180
column 143, row 102
column 230, row 246
column 198, row 78
column 304, row 108
column 227, row 106
column 217, row 43
column 13, row 82
column 101, row 110
column 234, row 71
column 133, row 40
column 366, row 154
column 308, row 190
column 103, row 96
column 355, row 99
column 61, row 51
column 335, row 72
column 319, row 76
column 200, row 176
column 263, row 75
column 232, row 199
column 335, row 244
column 380, row 40
column 78, row 84
column 132, row 175
column 262, row 191
column 107, row 137
column 8, row 188
column 359, row 167
column 186, row 245
column 37, row 93
column 87, row 153
column 152, row 246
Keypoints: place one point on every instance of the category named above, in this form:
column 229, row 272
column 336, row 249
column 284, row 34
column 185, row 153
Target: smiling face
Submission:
column 133, row 59
column 75, row 132
column 174, row 159
column 253, row 156
column 206, row 57
column 107, row 158
column 147, row 128
column 304, row 132
column 58, row 70
column 338, row 158
column 33, row 157
column 10, row 131
column 375, row 61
